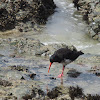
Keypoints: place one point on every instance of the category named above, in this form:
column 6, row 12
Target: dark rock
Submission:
column 7, row 20
column 10, row 97
column 54, row 93
column 32, row 76
column 53, row 78
column 75, row 92
column 22, row 78
column 93, row 97
column 19, row 68
column 5, row 83
column 97, row 74
column 73, row 73
column 10, row 94
column 40, row 92
column 28, row 12
column 76, row 4
column 27, row 97
column 33, row 94
column 90, row 11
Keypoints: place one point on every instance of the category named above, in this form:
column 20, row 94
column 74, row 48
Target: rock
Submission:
column 7, row 19
column 53, row 78
column 76, row 4
column 92, row 97
column 75, row 92
column 91, row 14
column 73, row 73
column 42, row 50
column 56, row 92
column 19, row 68
column 27, row 12
column 49, row 49
column 32, row 75
column 26, row 45
column 5, row 83
column 32, row 47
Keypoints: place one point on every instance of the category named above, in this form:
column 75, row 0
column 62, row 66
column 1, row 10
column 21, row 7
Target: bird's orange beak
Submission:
column 49, row 66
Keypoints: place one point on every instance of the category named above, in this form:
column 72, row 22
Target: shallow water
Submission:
column 66, row 26
column 89, row 82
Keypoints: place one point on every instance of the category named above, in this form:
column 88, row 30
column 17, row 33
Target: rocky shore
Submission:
column 24, row 61
column 18, row 71
column 90, row 9
column 24, row 14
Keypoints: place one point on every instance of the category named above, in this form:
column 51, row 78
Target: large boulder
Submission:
column 14, row 12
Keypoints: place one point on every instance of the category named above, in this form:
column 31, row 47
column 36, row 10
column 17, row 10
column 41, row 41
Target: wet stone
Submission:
column 53, row 78
column 40, row 92
column 93, row 97
column 10, row 98
column 97, row 74
column 75, row 92
column 28, row 12
column 90, row 11
column 22, row 78
column 54, row 93
column 32, row 76
column 27, row 97
column 73, row 73
column 19, row 68
column 5, row 83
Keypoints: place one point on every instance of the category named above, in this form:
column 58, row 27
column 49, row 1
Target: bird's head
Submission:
column 53, row 58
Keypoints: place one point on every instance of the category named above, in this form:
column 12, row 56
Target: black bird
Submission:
column 64, row 56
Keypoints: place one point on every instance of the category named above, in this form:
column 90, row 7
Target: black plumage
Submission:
column 65, row 53
column 64, row 56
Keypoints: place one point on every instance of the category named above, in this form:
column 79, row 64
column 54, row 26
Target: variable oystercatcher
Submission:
column 64, row 56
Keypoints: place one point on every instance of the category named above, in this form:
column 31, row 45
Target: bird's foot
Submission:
column 61, row 75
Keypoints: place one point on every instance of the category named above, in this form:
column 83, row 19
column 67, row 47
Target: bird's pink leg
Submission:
column 59, row 76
